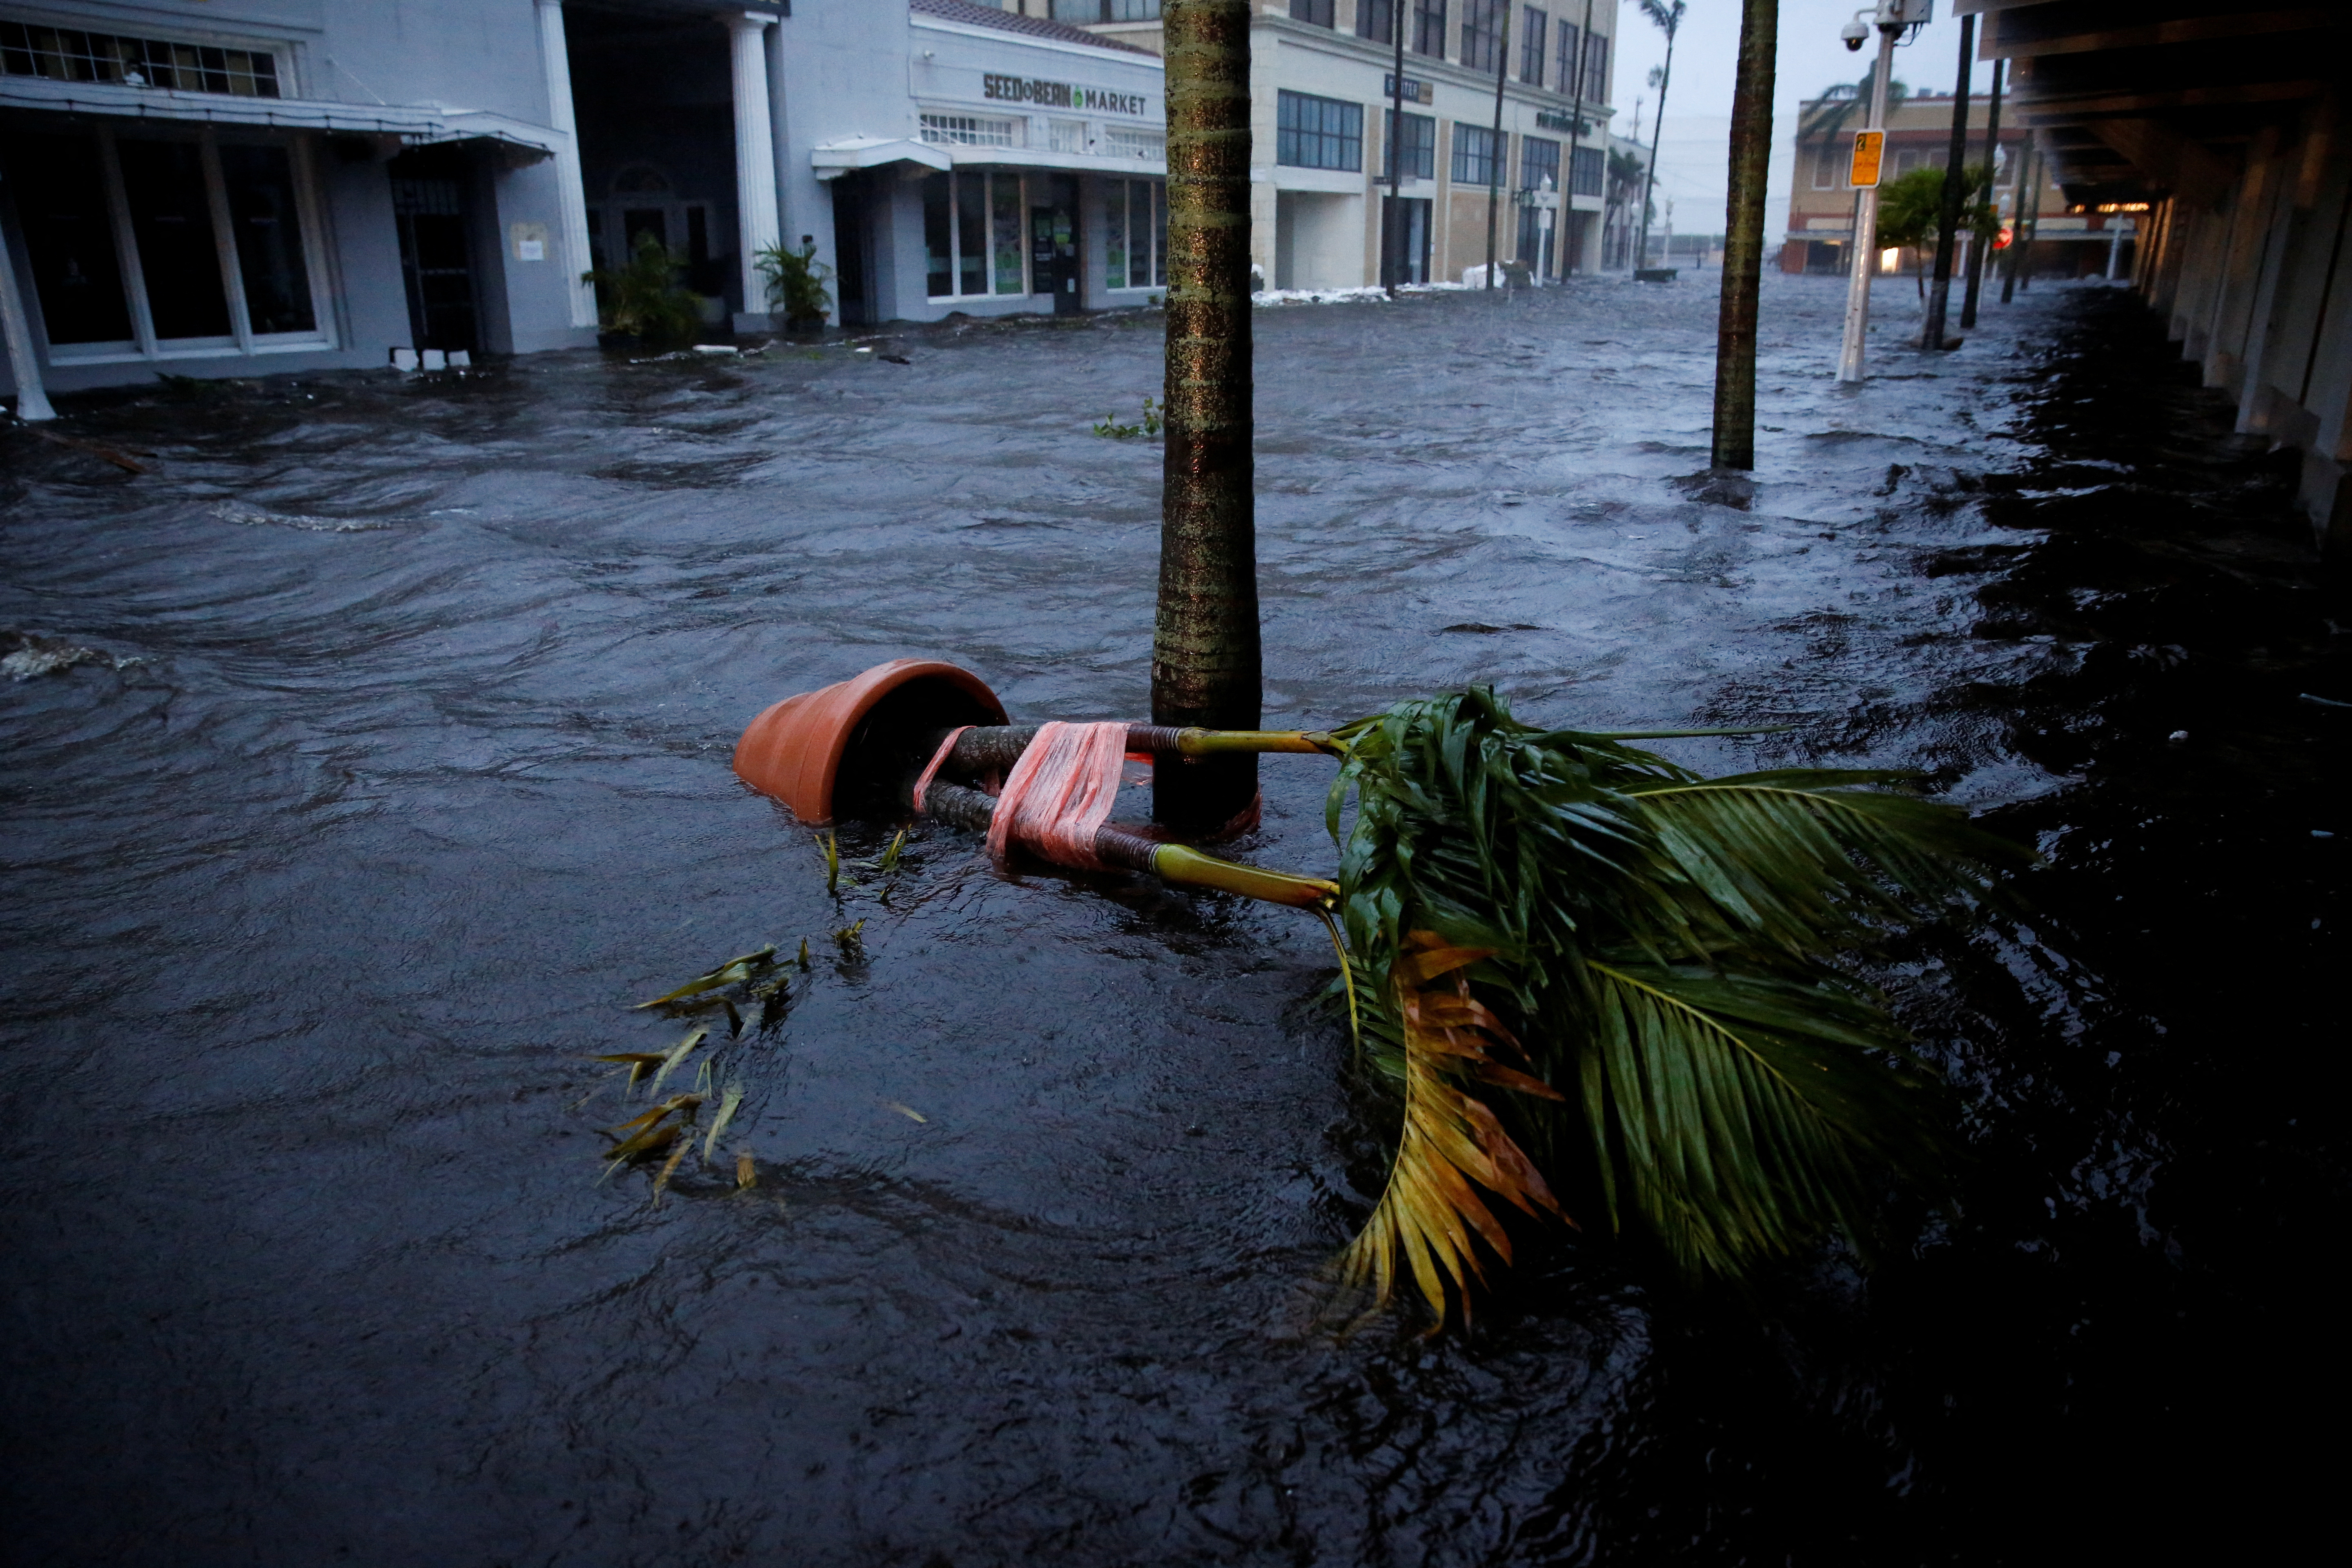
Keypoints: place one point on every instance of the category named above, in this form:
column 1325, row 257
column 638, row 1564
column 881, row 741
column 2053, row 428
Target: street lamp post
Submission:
column 1892, row 18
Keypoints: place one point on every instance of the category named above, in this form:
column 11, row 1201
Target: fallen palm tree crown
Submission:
column 1587, row 970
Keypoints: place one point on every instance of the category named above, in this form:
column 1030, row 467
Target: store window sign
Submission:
column 1060, row 95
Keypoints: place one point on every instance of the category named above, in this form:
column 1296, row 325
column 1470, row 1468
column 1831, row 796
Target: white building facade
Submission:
column 1322, row 74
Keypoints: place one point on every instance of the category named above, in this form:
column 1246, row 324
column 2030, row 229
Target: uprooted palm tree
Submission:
column 1595, row 974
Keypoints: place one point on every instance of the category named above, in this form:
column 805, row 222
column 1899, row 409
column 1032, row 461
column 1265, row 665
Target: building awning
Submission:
column 419, row 125
column 835, row 159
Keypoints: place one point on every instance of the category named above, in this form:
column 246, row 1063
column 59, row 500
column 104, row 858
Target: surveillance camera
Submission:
column 1855, row 34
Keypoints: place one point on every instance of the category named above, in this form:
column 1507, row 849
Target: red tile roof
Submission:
column 1006, row 21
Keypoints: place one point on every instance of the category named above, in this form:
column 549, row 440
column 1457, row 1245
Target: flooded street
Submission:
column 399, row 769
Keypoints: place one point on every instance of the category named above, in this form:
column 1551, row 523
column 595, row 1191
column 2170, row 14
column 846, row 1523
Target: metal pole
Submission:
column 2033, row 222
column 1392, row 222
column 2016, row 227
column 1866, row 223
column 1575, row 133
column 1495, row 148
column 1977, row 246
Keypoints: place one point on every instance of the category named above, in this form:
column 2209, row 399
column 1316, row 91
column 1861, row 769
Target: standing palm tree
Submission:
column 1668, row 17
column 1743, row 244
column 1205, row 661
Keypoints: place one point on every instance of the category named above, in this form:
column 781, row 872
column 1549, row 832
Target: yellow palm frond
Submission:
column 1451, row 1145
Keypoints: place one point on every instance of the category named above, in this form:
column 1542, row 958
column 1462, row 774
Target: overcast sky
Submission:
column 1692, row 158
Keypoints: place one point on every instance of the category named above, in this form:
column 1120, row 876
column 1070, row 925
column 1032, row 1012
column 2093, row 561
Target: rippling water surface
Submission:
column 398, row 769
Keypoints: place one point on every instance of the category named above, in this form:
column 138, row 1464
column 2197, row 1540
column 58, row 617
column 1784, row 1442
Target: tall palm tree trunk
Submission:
column 1205, row 661
column 1947, row 221
column 1658, row 132
column 1743, row 236
column 1992, row 175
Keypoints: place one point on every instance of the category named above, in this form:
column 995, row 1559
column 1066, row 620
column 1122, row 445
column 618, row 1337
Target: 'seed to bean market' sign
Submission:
column 1060, row 94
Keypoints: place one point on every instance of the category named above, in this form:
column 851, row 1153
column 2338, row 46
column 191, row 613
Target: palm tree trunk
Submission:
column 1657, row 130
column 1977, row 251
column 1743, row 241
column 1205, row 661
column 1947, row 221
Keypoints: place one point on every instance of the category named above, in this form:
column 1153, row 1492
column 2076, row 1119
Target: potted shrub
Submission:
column 796, row 281
column 641, row 305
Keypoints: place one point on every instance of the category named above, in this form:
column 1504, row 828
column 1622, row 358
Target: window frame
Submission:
column 1287, row 137
column 1568, row 58
column 1527, row 143
column 1315, row 13
column 1425, row 149
column 144, row 344
column 1429, row 28
column 1482, row 27
column 1153, row 232
column 1494, row 161
column 1535, row 28
column 990, row 248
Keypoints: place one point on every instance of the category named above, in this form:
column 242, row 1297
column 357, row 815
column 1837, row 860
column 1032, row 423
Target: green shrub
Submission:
column 644, row 298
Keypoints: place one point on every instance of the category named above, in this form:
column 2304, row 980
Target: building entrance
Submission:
column 1054, row 240
column 436, row 253
column 1413, row 236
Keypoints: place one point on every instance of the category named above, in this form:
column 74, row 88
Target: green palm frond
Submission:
column 1669, row 947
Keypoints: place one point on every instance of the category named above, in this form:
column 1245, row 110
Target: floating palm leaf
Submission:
column 1668, row 947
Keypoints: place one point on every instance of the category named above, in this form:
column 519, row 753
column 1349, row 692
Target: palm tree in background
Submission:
column 1666, row 16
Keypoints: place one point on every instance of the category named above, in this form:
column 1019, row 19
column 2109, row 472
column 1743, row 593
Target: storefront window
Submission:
column 972, row 236
column 261, row 185
column 61, row 201
column 1135, row 234
column 1005, row 233
column 172, row 221
column 191, row 288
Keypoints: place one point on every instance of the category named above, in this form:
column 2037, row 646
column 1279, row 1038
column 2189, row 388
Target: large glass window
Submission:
column 1533, row 24
column 1538, row 163
column 66, row 54
column 1135, row 234
column 1588, row 172
column 1005, row 234
column 1313, row 132
column 262, row 216
column 970, row 130
column 1105, row 10
column 1420, row 156
column 1476, row 155
column 1482, row 32
column 1565, row 77
column 972, row 236
column 69, row 238
column 1317, row 12
column 1429, row 28
column 172, row 218
column 1596, row 69
column 1375, row 20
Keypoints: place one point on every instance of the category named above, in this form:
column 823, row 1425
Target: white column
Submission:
column 757, row 222
column 32, row 402
column 572, row 199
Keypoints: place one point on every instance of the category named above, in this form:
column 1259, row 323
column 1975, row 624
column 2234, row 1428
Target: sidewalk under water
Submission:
column 398, row 769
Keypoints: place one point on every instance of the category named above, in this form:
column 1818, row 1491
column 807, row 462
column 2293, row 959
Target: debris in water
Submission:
column 908, row 1111
column 747, row 1173
column 35, row 654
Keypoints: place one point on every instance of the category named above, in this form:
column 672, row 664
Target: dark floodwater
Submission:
column 421, row 776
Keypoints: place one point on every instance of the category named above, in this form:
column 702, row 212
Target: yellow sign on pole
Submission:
column 1869, row 148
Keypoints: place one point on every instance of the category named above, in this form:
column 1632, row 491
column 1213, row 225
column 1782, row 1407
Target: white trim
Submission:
column 415, row 123
column 832, row 159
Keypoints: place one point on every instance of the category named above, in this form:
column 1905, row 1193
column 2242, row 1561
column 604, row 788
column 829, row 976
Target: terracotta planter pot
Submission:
column 855, row 742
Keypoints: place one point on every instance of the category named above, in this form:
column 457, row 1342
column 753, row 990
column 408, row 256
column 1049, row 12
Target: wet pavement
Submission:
column 397, row 769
